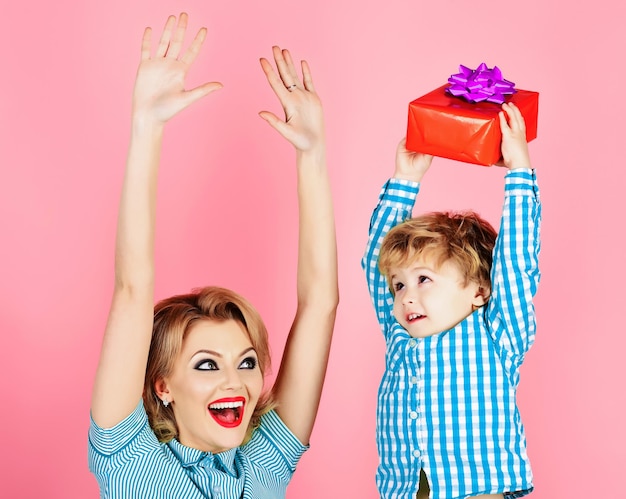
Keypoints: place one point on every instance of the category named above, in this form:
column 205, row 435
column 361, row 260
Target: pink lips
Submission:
column 412, row 317
column 228, row 412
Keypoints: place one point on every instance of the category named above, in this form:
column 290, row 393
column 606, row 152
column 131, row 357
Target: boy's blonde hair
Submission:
column 464, row 238
column 173, row 318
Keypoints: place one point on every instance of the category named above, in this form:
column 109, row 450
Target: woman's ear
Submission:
column 161, row 389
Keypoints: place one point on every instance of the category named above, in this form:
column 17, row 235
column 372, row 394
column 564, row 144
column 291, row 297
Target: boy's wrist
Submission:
column 517, row 172
column 404, row 181
column 523, row 165
column 412, row 177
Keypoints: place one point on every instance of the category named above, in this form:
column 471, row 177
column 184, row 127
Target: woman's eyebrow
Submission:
column 217, row 354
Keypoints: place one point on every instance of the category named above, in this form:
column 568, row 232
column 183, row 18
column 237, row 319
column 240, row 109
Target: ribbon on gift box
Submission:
column 480, row 84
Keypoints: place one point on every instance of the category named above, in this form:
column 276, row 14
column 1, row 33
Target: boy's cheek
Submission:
column 397, row 313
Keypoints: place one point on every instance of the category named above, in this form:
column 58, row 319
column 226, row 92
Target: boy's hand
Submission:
column 159, row 91
column 411, row 165
column 304, row 120
column 514, row 145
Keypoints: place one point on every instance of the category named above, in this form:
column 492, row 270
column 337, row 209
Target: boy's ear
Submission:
column 481, row 296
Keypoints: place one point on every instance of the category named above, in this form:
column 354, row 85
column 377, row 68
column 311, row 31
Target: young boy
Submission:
column 457, row 327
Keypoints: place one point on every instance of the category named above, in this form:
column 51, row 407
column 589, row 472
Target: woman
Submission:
column 177, row 407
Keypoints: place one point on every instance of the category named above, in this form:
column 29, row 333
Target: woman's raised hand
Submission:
column 304, row 119
column 159, row 91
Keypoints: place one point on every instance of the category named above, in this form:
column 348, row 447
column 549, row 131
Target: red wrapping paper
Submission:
column 450, row 127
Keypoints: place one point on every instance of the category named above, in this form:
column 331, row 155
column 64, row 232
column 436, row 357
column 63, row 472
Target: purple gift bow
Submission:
column 481, row 84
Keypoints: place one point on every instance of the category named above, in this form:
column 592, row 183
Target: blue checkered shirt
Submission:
column 446, row 403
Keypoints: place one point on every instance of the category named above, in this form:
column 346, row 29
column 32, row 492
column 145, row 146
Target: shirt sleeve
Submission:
column 395, row 205
column 515, row 270
column 107, row 443
column 274, row 447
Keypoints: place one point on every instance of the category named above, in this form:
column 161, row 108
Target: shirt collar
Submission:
column 470, row 323
column 188, row 457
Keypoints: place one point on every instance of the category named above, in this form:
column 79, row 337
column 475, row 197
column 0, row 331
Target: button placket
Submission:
column 412, row 404
column 416, row 380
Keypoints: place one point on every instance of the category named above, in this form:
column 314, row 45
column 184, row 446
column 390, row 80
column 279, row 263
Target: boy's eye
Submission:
column 248, row 363
column 398, row 286
column 422, row 279
column 206, row 365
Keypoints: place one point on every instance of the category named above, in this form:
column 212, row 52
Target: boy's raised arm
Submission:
column 395, row 204
column 515, row 272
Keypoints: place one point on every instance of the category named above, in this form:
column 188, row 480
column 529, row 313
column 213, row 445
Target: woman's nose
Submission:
column 232, row 379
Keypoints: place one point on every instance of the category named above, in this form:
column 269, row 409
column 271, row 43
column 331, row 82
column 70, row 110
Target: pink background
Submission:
column 65, row 86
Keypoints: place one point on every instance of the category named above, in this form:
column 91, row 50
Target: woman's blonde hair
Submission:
column 463, row 238
column 173, row 318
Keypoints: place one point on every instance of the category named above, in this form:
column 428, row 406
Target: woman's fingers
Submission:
column 166, row 35
column 146, row 43
column 195, row 94
column 178, row 37
column 292, row 74
column 287, row 77
column 171, row 41
column 307, row 79
column 273, row 79
column 194, row 49
column 285, row 67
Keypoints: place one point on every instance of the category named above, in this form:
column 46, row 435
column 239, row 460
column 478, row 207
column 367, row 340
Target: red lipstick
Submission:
column 228, row 412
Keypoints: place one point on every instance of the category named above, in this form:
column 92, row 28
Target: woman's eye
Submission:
column 206, row 365
column 248, row 363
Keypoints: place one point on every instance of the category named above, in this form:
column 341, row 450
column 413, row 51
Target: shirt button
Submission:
column 416, row 453
column 412, row 343
column 413, row 380
column 217, row 490
column 413, row 415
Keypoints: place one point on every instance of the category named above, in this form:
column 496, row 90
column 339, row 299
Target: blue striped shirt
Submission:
column 129, row 462
column 446, row 403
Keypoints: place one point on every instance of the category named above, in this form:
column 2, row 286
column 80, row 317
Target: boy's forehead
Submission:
column 414, row 262
column 427, row 257
column 432, row 260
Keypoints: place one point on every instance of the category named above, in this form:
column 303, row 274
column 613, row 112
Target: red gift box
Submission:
column 450, row 127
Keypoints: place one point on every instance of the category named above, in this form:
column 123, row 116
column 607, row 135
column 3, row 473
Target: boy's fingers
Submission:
column 520, row 119
column 516, row 120
column 504, row 126
column 514, row 115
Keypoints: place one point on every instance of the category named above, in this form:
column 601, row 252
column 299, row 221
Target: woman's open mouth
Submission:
column 228, row 412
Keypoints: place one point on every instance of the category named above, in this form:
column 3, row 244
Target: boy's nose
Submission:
column 408, row 298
